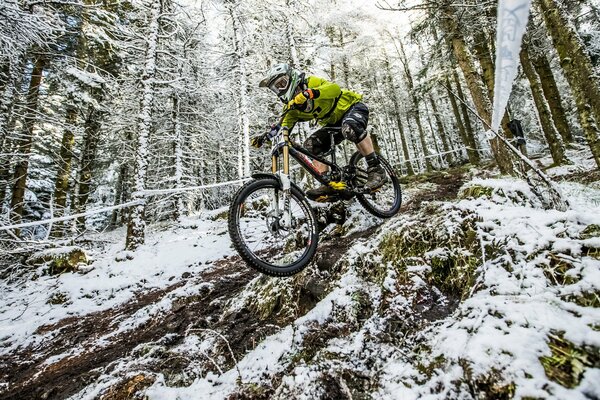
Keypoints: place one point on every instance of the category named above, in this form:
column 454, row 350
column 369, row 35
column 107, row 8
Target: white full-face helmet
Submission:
column 283, row 81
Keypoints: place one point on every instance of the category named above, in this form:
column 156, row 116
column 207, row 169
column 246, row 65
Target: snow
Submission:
column 158, row 264
column 503, row 327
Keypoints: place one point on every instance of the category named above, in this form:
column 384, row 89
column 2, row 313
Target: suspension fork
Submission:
column 284, row 178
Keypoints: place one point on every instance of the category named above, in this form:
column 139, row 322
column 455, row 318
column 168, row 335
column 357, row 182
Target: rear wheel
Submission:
column 268, row 240
column 386, row 201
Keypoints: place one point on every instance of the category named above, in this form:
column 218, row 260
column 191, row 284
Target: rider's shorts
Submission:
column 354, row 120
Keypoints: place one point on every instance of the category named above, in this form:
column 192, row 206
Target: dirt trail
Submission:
column 32, row 374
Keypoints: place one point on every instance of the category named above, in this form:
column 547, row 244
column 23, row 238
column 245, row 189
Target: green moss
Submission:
column 487, row 386
column 586, row 299
column 475, row 191
column 557, row 270
column 223, row 215
column 427, row 368
column 316, row 339
column 58, row 298
column 591, row 231
column 568, row 362
column 451, row 237
column 282, row 299
column 253, row 391
column 60, row 262
column 361, row 305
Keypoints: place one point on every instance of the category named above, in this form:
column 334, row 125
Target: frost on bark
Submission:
column 178, row 155
column 557, row 148
column 470, row 139
column 397, row 114
column 25, row 141
column 442, row 131
column 462, row 131
column 552, row 95
column 242, row 83
column 578, row 69
column 137, row 225
column 61, row 185
column 91, row 138
column 7, row 102
column 477, row 88
column 415, row 107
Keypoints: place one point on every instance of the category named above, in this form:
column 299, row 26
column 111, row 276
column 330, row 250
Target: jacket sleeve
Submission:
column 290, row 119
column 323, row 89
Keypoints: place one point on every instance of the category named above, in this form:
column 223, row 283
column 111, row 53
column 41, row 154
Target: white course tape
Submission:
column 512, row 22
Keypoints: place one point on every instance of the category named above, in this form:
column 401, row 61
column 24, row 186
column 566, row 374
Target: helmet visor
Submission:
column 280, row 84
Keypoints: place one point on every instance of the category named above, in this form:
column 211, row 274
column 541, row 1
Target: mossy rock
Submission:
column 58, row 298
column 283, row 299
column 445, row 239
column 61, row 260
column 475, row 192
column 490, row 385
column 568, row 362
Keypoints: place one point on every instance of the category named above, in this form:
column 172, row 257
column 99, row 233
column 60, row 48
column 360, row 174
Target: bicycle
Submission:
column 271, row 223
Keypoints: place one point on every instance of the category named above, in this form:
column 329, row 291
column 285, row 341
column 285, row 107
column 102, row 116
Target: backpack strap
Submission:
column 333, row 107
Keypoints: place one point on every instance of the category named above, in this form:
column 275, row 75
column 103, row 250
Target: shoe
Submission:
column 322, row 194
column 376, row 179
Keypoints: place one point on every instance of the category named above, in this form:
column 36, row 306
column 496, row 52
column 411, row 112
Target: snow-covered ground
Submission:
column 382, row 327
column 499, row 333
column 106, row 282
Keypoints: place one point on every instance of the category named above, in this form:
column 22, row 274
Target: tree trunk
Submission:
column 469, row 139
column 120, row 194
column 25, row 141
column 243, row 100
column 484, row 56
column 478, row 91
column 553, row 138
column 61, row 186
column 472, row 155
column 578, row 70
column 178, row 155
column 7, row 102
column 137, row 224
column 91, row 139
column 552, row 95
column 440, row 126
column 415, row 107
column 397, row 114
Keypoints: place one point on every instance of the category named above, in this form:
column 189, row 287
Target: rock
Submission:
column 60, row 260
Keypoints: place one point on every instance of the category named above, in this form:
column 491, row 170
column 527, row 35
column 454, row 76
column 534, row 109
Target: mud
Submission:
column 30, row 377
column 30, row 374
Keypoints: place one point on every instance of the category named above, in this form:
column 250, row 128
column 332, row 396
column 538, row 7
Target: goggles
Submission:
column 279, row 84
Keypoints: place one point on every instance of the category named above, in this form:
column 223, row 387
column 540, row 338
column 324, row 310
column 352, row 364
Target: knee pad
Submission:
column 353, row 130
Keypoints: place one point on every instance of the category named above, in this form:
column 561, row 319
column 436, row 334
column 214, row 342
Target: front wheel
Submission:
column 269, row 239
column 384, row 202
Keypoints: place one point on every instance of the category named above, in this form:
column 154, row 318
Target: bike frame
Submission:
column 283, row 146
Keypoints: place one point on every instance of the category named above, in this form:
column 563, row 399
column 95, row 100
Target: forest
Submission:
column 125, row 130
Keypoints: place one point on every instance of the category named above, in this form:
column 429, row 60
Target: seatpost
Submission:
column 332, row 138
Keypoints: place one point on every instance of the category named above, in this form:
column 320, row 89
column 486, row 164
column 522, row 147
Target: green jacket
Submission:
column 319, row 107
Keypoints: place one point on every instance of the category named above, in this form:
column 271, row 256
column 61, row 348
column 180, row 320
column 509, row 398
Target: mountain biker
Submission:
column 309, row 98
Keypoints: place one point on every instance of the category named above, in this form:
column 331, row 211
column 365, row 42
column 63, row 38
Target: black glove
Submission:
column 257, row 141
